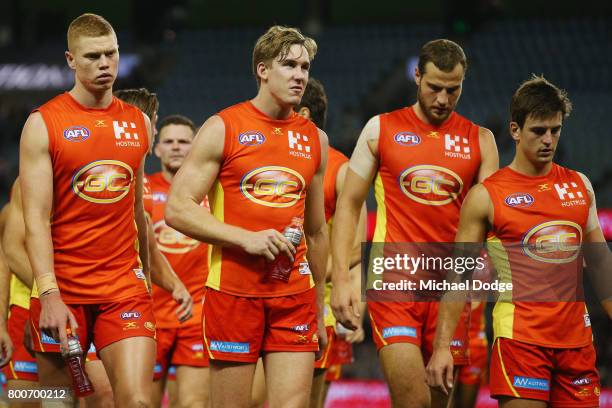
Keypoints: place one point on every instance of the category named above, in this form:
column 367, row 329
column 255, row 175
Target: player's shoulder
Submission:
column 335, row 154
column 58, row 101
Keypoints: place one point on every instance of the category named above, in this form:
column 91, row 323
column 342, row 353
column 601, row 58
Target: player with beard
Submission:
column 423, row 159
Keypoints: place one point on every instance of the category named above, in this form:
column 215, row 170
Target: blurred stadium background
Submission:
column 196, row 54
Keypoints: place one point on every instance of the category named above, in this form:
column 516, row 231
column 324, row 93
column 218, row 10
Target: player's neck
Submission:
column 167, row 174
column 267, row 104
column 522, row 165
column 90, row 100
column 420, row 114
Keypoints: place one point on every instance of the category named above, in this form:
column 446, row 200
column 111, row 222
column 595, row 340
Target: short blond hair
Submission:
column 276, row 43
column 88, row 25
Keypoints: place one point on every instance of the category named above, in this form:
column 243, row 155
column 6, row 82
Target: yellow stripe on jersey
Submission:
column 216, row 200
column 330, row 319
column 20, row 293
column 503, row 313
column 380, row 232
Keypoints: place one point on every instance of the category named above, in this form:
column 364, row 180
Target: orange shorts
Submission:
column 256, row 325
column 102, row 324
column 325, row 361
column 415, row 323
column 22, row 366
column 342, row 351
column 334, row 373
column 180, row 346
column 474, row 373
column 564, row 377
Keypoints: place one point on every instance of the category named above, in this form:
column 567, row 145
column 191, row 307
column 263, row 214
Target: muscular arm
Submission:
column 597, row 254
column 489, row 163
column 13, row 238
column 139, row 213
column 359, row 176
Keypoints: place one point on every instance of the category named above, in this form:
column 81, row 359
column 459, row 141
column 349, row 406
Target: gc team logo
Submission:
column 519, row 200
column 430, row 185
column 103, row 181
column 407, row 139
column 273, row 186
column 171, row 241
column 76, row 133
column 251, row 138
column 555, row 242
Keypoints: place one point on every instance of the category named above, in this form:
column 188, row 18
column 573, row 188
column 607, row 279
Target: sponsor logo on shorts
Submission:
column 304, row 268
column 300, row 328
column 584, row 392
column 251, row 138
column 273, row 186
column 407, row 139
column 519, row 200
column 530, row 383
column 25, row 367
column 315, row 338
column 46, row 339
column 139, row 273
column 130, row 326
column 582, row 381
column 157, row 369
column 131, row 315
column 149, row 326
column 397, row 331
column 230, row 347
column 302, row 339
column 172, row 370
column 596, row 391
column 555, row 242
column 103, row 181
column 76, row 134
column 430, row 185
column 197, row 347
column 587, row 320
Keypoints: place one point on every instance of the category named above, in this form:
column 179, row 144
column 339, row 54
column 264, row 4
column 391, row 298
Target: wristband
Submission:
column 46, row 284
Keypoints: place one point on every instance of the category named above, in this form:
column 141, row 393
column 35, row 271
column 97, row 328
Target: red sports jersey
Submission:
column 535, row 242
column 335, row 159
column 96, row 154
column 267, row 167
column 188, row 257
column 425, row 173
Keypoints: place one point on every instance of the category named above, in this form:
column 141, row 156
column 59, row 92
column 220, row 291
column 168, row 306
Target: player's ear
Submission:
column 70, row 60
column 515, row 131
column 262, row 71
column 417, row 76
column 156, row 150
column 304, row 111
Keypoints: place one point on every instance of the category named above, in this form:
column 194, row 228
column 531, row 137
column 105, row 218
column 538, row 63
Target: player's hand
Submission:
column 6, row 346
column 181, row 296
column 355, row 336
column 267, row 243
column 54, row 317
column 345, row 305
column 321, row 335
column 439, row 371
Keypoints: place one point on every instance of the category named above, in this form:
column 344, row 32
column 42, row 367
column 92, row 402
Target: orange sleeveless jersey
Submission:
column 95, row 154
column 267, row 167
column 424, row 174
column 534, row 243
column 188, row 257
column 335, row 159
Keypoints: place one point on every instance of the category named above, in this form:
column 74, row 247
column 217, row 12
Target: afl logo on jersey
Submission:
column 553, row 242
column 273, row 186
column 519, row 200
column 430, row 185
column 407, row 139
column 103, row 181
column 76, row 133
column 251, row 138
column 172, row 241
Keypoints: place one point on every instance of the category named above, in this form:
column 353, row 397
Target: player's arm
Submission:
column 36, row 178
column 474, row 219
column 193, row 182
column 6, row 346
column 13, row 238
column 164, row 276
column 315, row 233
column 597, row 253
column 359, row 176
column 489, row 158
column 139, row 212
